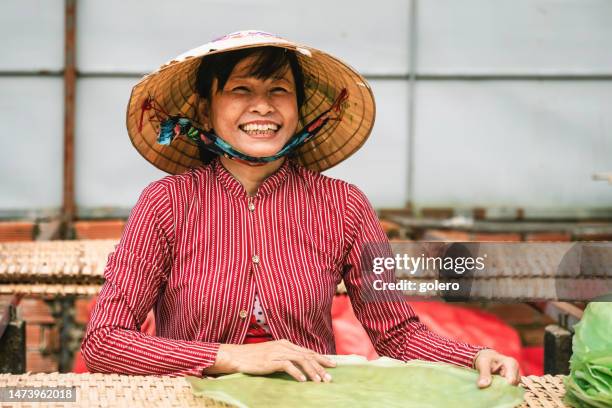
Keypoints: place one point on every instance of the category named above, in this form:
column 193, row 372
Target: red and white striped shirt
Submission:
column 196, row 247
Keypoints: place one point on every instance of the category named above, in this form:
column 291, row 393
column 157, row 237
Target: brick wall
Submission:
column 99, row 229
column 42, row 336
column 42, row 333
column 11, row 231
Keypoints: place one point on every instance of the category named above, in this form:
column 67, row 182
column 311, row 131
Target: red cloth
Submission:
column 196, row 246
column 532, row 362
column 456, row 322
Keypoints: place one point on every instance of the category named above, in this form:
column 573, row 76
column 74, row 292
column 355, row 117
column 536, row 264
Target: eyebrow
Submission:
column 274, row 78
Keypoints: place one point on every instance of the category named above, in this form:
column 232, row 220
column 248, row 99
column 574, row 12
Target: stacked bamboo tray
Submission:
column 53, row 267
column 531, row 272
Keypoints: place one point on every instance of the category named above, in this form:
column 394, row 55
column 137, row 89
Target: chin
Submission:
column 262, row 151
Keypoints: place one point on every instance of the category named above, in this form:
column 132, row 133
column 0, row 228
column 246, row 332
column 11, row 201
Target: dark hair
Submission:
column 269, row 62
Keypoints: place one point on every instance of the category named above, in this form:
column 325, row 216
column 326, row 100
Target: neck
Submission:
column 250, row 177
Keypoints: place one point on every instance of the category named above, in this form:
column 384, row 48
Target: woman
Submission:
column 241, row 256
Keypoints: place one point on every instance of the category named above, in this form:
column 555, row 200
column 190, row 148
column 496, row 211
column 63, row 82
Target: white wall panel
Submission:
column 136, row 36
column 31, row 157
column 513, row 143
column 109, row 171
column 515, row 36
column 31, row 35
column 379, row 168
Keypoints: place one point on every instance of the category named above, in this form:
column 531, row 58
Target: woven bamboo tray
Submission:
column 543, row 392
column 103, row 390
column 54, row 262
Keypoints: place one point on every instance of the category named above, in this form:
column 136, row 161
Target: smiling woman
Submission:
column 241, row 249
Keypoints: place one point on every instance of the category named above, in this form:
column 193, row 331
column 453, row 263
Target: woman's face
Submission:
column 256, row 116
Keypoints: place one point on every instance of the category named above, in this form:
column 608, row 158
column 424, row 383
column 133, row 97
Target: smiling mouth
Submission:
column 260, row 130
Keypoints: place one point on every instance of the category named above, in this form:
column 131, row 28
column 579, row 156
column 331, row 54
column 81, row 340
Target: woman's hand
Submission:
column 269, row 357
column 490, row 361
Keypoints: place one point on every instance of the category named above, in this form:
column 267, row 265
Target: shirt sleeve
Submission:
column 390, row 322
column 134, row 273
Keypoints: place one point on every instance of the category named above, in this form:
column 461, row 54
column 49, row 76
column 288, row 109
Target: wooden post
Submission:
column 557, row 350
column 12, row 338
column 68, row 206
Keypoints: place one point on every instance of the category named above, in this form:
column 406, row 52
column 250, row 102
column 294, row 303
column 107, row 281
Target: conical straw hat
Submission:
column 172, row 86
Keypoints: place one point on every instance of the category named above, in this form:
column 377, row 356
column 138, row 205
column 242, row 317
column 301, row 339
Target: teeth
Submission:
column 260, row 128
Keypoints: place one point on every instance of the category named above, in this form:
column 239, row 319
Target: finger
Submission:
column 484, row 370
column 320, row 370
column 323, row 360
column 288, row 367
column 309, row 365
column 319, row 362
column 511, row 372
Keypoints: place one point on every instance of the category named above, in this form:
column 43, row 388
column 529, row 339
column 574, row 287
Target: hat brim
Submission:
column 172, row 86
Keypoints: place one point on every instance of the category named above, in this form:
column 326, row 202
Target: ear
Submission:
column 203, row 108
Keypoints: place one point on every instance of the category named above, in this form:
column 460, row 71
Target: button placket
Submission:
column 251, row 207
column 254, row 248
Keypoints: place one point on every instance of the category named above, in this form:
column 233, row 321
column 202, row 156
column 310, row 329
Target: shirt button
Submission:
column 251, row 207
column 255, row 259
column 243, row 314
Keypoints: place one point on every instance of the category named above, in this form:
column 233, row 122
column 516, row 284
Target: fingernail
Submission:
column 317, row 378
column 302, row 378
column 328, row 377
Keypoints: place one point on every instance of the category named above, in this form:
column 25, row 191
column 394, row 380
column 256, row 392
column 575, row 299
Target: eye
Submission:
column 279, row 89
column 240, row 89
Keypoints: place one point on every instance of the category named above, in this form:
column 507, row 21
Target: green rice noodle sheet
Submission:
column 360, row 383
column 590, row 381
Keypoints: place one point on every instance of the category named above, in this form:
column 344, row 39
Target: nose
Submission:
column 262, row 104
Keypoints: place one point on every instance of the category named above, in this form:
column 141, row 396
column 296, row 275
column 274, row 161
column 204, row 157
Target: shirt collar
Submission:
column 270, row 184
